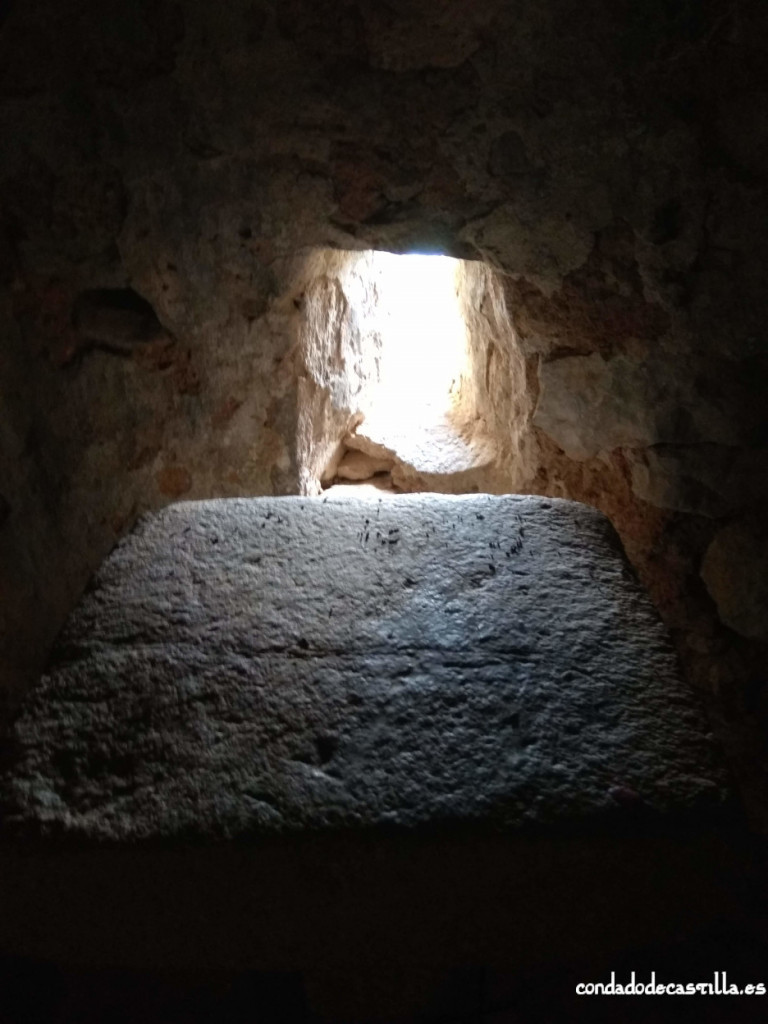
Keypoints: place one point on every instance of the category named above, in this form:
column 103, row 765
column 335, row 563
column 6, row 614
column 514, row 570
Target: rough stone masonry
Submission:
column 170, row 170
column 275, row 665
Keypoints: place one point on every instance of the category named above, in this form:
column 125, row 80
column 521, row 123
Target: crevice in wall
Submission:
column 115, row 320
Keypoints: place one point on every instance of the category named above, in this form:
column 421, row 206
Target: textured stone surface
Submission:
column 430, row 457
column 605, row 158
column 357, row 465
column 702, row 479
column 735, row 571
column 589, row 404
column 275, row 665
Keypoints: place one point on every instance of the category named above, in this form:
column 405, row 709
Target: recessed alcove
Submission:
column 412, row 375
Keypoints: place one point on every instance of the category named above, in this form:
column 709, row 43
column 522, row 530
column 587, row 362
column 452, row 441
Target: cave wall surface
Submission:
column 608, row 159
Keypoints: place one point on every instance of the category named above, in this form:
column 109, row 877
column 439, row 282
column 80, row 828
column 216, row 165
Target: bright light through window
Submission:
column 423, row 337
column 398, row 354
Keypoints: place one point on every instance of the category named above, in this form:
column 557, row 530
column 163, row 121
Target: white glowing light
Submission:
column 423, row 334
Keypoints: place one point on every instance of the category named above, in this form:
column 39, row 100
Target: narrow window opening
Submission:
column 424, row 352
column 404, row 358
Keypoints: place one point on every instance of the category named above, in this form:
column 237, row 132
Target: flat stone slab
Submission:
column 264, row 667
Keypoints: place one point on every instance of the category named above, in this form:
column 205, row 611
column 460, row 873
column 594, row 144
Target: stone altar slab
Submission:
column 271, row 666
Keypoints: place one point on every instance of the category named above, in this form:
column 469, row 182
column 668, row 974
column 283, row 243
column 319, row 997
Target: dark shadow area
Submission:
column 35, row 991
column 115, row 319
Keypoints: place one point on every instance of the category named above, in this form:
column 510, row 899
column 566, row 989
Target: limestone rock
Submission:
column 589, row 404
column 117, row 319
column 356, row 465
column 710, row 480
column 735, row 571
column 281, row 665
column 433, row 456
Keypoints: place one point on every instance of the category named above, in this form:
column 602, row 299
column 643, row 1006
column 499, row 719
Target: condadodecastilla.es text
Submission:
column 719, row 986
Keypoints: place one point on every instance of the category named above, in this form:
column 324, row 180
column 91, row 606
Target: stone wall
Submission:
column 607, row 159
